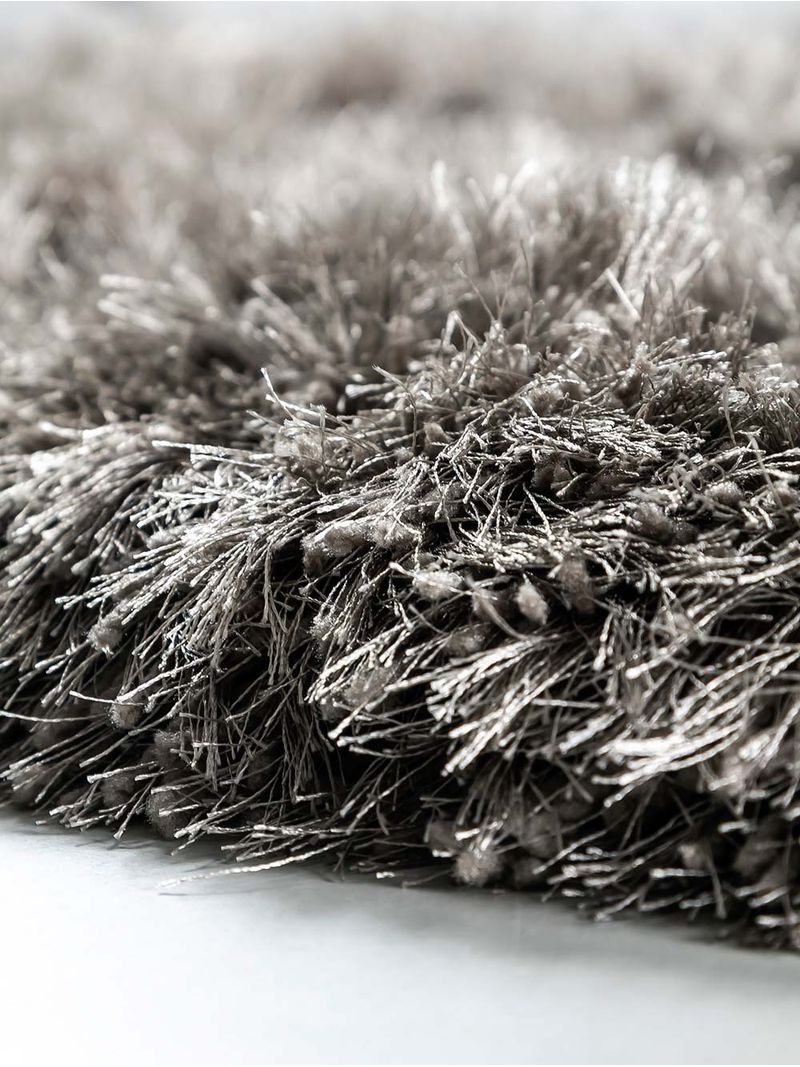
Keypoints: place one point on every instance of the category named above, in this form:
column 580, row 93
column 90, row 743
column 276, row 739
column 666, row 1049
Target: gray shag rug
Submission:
column 399, row 455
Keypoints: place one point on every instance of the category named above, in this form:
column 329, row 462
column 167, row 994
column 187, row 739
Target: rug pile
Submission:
column 399, row 455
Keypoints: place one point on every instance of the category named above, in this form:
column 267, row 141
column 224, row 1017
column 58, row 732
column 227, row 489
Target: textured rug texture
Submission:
column 399, row 453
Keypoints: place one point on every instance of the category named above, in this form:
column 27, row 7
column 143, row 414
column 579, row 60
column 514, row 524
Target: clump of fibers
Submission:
column 388, row 474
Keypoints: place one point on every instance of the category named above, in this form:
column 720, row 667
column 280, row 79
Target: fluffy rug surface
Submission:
column 399, row 454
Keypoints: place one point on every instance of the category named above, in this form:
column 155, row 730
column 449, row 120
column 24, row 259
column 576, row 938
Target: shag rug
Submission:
column 399, row 454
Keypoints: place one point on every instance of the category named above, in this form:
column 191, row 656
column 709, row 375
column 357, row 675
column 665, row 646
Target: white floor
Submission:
column 100, row 965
